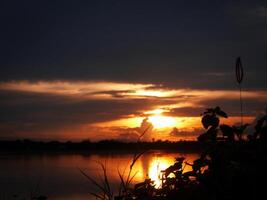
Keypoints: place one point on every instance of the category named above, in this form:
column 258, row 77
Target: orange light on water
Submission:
column 159, row 163
column 156, row 166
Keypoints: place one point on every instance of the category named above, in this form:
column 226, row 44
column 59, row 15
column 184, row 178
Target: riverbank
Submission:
column 28, row 146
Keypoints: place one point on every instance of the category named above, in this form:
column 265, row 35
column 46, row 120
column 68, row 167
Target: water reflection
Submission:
column 159, row 162
column 59, row 178
column 156, row 166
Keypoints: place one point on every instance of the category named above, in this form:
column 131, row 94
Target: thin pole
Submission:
column 239, row 77
column 241, row 105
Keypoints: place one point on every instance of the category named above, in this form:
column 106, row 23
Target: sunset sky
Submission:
column 96, row 70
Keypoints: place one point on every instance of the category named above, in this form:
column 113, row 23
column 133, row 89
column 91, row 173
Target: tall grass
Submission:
column 104, row 187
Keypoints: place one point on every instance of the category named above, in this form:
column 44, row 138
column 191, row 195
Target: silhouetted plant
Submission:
column 222, row 170
column 218, row 170
column 125, row 191
column 228, row 132
column 260, row 128
column 144, row 190
column 232, row 132
column 239, row 130
column 239, row 77
column 104, row 186
column 211, row 121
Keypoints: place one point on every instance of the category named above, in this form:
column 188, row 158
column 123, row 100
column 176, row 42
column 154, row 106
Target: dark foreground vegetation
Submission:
column 230, row 167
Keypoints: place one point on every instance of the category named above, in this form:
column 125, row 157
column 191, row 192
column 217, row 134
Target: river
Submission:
column 58, row 177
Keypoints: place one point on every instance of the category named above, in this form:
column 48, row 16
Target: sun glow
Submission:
column 161, row 163
column 159, row 121
column 154, row 112
column 156, row 167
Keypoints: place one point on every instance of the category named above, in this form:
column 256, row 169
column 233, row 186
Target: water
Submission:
column 58, row 176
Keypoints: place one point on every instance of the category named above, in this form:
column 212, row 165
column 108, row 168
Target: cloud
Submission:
column 36, row 108
column 186, row 134
column 78, row 89
column 154, row 47
column 187, row 111
column 144, row 132
column 56, row 109
column 128, row 136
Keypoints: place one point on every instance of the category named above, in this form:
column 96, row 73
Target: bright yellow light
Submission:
column 149, row 93
column 154, row 112
column 152, row 93
column 155, row 168
column 159, row 121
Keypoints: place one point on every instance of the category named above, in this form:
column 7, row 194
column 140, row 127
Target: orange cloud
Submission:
column 85, row 108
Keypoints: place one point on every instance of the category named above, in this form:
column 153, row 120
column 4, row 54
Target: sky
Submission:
column 74, row 70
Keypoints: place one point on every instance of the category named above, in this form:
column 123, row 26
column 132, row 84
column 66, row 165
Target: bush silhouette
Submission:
column 225, row 169
column 211, row 121
column 229, row 168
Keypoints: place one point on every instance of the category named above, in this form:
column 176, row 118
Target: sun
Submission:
column 159, row 121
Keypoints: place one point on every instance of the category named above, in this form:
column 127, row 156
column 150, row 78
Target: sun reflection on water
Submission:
column 149, row 165
column 159, row 163
column 155, row 169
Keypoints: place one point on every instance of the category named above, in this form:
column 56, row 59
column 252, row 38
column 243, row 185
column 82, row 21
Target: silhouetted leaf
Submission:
column 206, row 121
column 239, row 130
column 180, row 159
column 227, row 131
column 209, row 136
column 190, row 173
column 202, row 138
column 209, row 111
column 219, row 112
column 210, row 120
column 259, row 126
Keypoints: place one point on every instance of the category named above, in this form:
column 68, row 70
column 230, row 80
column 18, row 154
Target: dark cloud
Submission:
column 251, row 107
column 186, row 111
column 115, row 94
column 169, row 42
column 232, row 106
column 32, row 107
column 131, row 136
column 183, row 134
column 32, row 112
column 144, row 132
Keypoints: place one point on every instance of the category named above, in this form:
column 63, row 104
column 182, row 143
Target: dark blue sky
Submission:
column 178, row 43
